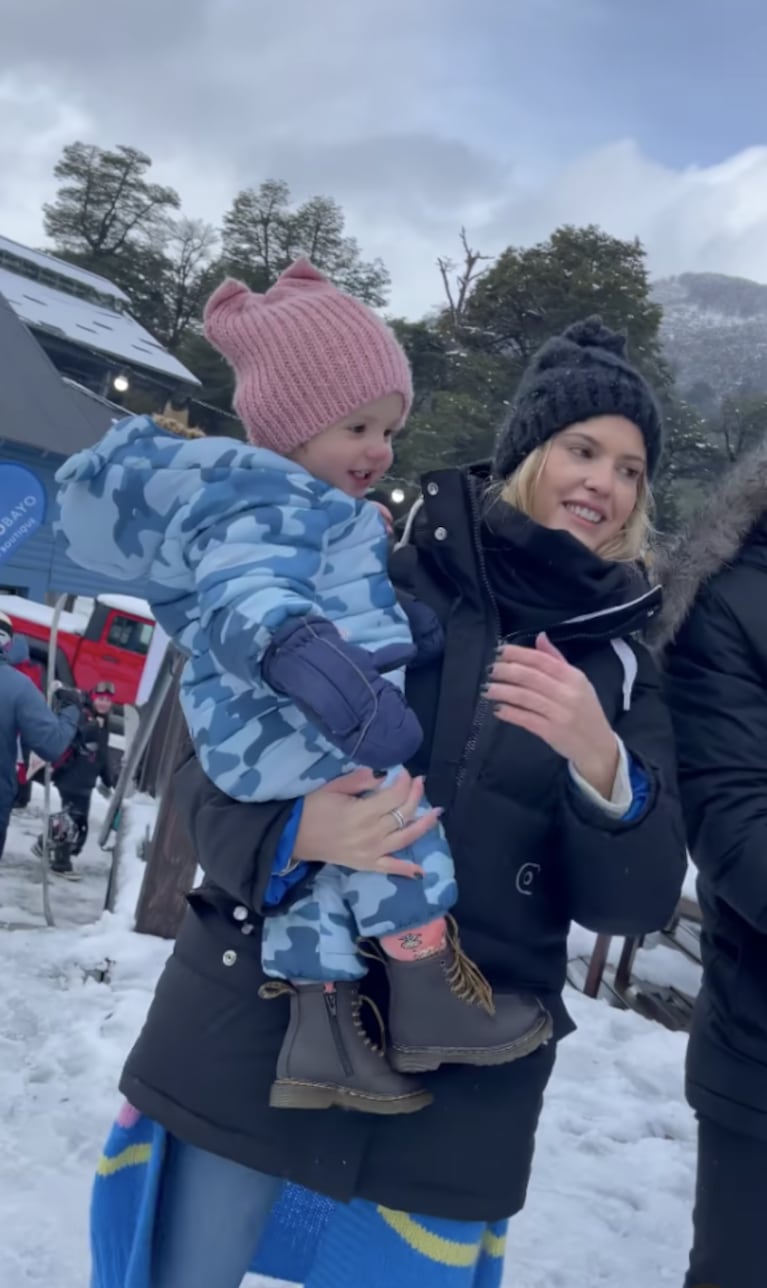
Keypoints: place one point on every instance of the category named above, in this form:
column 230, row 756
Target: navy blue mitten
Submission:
column 339, row 688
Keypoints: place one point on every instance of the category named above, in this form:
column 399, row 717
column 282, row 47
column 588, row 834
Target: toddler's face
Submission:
column 356, row 453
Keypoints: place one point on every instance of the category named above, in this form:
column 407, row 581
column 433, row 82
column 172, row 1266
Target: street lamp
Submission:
column 397, row 495
column 121, row 383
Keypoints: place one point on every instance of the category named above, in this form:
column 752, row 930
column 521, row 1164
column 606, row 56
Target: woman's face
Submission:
column 590, row 481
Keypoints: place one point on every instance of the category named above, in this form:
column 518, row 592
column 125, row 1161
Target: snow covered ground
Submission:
column 612, row 1186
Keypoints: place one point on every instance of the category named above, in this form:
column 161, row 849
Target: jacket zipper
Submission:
column 483, row 706
column 331, row 1005
column 585, row 619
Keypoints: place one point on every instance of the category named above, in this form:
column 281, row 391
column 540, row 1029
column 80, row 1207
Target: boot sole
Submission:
column 427, row 1059
column 314, row 1095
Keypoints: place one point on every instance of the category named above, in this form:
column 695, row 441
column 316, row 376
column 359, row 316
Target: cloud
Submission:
column 419, row 119
column 710, row 218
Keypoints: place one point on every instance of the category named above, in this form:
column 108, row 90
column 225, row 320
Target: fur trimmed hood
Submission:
column 713, row 540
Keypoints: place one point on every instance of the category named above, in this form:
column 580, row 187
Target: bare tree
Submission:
column 189, row 252
column 458, row 282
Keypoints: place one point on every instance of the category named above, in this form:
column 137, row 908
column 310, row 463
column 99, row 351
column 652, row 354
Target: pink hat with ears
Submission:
column 305, row 356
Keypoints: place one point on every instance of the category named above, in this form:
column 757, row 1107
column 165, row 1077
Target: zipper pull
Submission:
column 331, row 1001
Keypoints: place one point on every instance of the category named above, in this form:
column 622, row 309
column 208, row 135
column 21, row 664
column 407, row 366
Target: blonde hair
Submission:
column 627, row 546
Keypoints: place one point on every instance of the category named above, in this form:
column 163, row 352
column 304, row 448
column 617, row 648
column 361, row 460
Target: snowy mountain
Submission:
column 714, row 335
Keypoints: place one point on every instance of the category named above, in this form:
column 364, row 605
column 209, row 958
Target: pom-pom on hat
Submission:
column 582, row 373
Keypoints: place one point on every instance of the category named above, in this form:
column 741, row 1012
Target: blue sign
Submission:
column 23, row 503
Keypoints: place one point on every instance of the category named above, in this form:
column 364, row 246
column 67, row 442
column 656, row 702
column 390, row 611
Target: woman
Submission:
column 716, row 617
column 551, row 759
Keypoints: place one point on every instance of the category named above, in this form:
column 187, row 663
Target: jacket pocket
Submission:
column 223, row 944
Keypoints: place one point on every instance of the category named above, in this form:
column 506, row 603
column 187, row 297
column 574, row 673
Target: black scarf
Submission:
column 540, row 577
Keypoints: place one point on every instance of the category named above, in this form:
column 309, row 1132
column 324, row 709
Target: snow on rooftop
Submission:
column 20, row 609
column 128, row 604
column 57, row 265
column 75, row 319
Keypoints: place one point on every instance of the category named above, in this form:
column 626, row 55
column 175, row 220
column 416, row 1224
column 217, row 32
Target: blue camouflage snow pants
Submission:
column 315, row 939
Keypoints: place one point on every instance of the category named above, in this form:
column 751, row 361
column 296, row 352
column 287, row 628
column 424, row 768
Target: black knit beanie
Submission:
column 582, row 373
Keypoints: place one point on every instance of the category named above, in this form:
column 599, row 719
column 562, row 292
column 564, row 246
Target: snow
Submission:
column 611, row 1194
column 690, row 887
column 15, row 606
column 89, row 324
column 62, row 266
column 128, row 604
column 75, row 622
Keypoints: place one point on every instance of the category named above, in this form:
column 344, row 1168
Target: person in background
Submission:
column 84, row 764
column 18, row 655
column 714, row 630
column 25, row 716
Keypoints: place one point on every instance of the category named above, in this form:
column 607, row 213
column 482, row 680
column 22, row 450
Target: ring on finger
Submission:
column 399, row 818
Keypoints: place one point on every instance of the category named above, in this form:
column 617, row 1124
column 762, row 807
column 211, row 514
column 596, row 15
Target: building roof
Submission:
column 80, row 321
column 62, row 266
column 98, row 411
column 36, row 406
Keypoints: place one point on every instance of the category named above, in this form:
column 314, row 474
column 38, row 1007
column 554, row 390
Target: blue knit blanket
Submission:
column 310, row 1240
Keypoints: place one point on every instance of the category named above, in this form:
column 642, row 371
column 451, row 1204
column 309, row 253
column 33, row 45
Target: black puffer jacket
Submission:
column 716, row 616
column 87, row 760
column 531, row 853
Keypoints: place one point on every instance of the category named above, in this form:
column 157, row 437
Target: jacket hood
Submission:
column 119, row 499
column 712, row 541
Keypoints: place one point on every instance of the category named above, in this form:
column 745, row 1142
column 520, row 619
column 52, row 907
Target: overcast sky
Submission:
column 508, row 116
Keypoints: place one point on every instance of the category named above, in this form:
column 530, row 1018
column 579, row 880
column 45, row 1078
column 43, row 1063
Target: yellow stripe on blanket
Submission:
column 133, row 1156
column 446, row 1252
column 494, row 1245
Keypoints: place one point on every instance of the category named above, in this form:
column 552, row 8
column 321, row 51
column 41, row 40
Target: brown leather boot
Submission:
column 442, row 1010
column 327, row 1058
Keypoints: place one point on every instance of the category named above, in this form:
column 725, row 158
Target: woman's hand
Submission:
column 338, row 827
column 538, row 690
column 387, row 517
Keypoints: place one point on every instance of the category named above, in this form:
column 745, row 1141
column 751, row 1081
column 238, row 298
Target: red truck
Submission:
column 107, row 641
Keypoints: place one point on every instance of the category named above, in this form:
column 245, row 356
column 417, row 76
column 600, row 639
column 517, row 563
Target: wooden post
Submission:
column 171, row 862
column 625, row 966
column 597, row 965
column 153, row 767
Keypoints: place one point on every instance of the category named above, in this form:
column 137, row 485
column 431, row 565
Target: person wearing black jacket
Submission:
column 27, row 721
column 85, row 764
column 714, row 627
column 552, row 760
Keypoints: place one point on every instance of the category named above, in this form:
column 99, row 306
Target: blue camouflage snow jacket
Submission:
column 228, row 541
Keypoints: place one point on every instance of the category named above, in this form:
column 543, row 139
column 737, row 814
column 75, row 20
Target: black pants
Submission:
column 730, row 1217
column 79, row 807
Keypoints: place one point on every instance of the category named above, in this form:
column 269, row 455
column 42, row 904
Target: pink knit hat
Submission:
column 305, row 355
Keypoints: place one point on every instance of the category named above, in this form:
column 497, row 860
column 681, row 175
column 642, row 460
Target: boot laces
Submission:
column 464, row 977
column 357, row 1002
column 275, row 988
column 281, row 988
